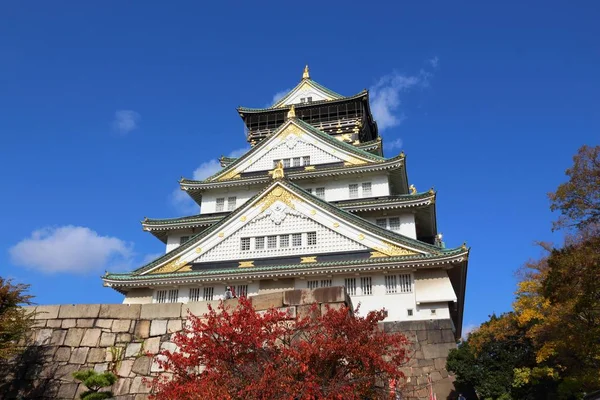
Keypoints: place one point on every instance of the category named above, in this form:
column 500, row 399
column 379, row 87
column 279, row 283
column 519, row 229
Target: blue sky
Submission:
column 103, row 106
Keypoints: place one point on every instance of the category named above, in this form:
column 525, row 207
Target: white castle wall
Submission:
column 301, row 149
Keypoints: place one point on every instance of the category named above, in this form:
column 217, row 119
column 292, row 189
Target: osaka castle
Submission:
column 313, row 203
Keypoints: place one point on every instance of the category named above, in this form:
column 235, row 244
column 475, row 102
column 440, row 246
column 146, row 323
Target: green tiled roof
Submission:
column 351, row 218
column 385, row 199
column 198, row 218
column 266, row 268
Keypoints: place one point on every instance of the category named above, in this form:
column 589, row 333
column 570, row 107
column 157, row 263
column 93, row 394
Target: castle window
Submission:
column 220, row 204
column 183, row 239
column 173, row 296
column 366, row 287
column 209, row 293
column 320, row 192
column 312, row 284
column 297, row 239
column 395, row 224
column 353, row 191
column 296, row 161
column 272, row 242
column 161, row 296
column 194, row 294
column 302, row 99
column 309, row 99
column 309, row 190
column 245, row 244
column 381, row 222
column 241, row 290
column 311, row 238
column 286, row 163
column 306, row 160
column 231, row 203
column 409, row 312
column 390, row 284
column 433, row 311
column 366, row 189
column 259, row 243
column 350, row 284
column 284, row 241
column 325, row 282
column 405, row 283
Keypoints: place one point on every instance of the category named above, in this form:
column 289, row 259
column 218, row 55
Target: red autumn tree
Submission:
column 242, row 354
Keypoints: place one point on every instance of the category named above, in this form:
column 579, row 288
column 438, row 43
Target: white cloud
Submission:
column 278, row 96
column 151, row 257
column 71, row 249
column 182, row 202
column 434, row 62
column 394, row 144
column 467, row 329
column 126, row 121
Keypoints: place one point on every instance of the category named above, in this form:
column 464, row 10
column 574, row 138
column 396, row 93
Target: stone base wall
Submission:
column 124, row 339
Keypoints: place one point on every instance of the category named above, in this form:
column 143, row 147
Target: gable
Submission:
column 279, row 211
column 304, row 91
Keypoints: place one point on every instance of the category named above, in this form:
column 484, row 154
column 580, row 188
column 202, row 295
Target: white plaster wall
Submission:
column 209, row 198
column 306, row 92
column 173, row 240
column 328, row 240
column 407, row 223
column 300, row 149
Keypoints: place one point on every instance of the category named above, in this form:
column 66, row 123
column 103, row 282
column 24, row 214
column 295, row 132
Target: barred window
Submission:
column 366, row 287
column 390, row 284
column 325, row 282
column 241, row 290
column 381, row 222
column 173, row 296
column 272, row 242
column 220, row 204
column 306, row 160
column 259, row 243
column 409, row 312
column 297, row 239
column 245, row 246
column 350, row 284
column 312, row 284
column 395, row 224
column 286, row 163
column 309, row 190
column 366, row 189
column 296, row 162
column 284, row 241
column 183, row 239
column 353, row 190
column 311, row 238
column 320, row 192
column 405, row 283
column 161, row 296
column 209, row 293
column 231, row 203
column 194, row 294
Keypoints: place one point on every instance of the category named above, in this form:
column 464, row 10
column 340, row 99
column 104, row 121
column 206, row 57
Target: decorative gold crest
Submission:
column 171, row 266
column 278, row 194
column 307, row 260
column 245, row 264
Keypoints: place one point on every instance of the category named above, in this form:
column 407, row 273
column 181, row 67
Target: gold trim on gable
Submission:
column 308, row 260
column 171, row 266
column 393, row 250
column 245, row 264
column 278, row 194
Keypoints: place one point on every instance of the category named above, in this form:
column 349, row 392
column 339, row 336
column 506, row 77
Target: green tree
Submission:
column 94, row 382
column 15, row 322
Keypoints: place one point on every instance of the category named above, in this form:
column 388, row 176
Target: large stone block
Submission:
column 334, row 294
column 65, row 372
column 133, row 349
column 67, row 391
column 152, row 345
column 439, row 350
column 434, row 336
column 62, row 354
column 267, row 300
column 125, row 368
column 107, row 339
column 122, row 386
column 54, row 323
column 43, row 336
column 174, row 325
column 91, row 337
column 141, row 366
column 58, row 337
column 74, row 336
column 158, row 327
column 96, row 355
column 104, row 323
column 197, row 308
column 121, row 325
column 85, row 322
column 167, row 310
column 139, row 386
column 120, row 311
column 79, row 311
column 79, row 355
column 69, row 323
column 142, row 329
column 45, row 312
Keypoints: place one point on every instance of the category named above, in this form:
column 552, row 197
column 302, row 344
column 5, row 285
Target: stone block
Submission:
column 79, row 311
column 65, row 372
column 120, row 311
column 139, row 386
column 174, row 325
column 439, row 363
column 85, row 322
column 197, row 308
column 96, row 355
column 39, row 323
column 267, row 300
column 58, row 337
column 121, row 387
column 54, row 323
column 142, row 365
column 68, row 323
column 45, row 312
column 425, row 362
column 67, row 391
column 100, row 368
column 125, row 368
column 121, row 325
column 104, row 323
column 62, row 354
column 91, row 337
column 434, row 336
column 43, row 336
column 439, row 350
column 332, row 306
column 158, row 327
column 447, row 336
column 107, row 339
column 308, row 310
column 166, row 310
column 170, row 346
column 123, row 338
column 79, row 355
column 133, row 349
column 155, row 365
column 142, row 329
column 74, row 336
column 141, row 396
column 422, row 336
column 334, row 294
column 152, row 345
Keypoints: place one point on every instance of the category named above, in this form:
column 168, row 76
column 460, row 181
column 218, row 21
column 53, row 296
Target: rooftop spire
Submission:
column 292, row 112
column 305, row 74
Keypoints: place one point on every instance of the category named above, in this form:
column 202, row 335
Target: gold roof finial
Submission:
column 306, row 74
column 292, row 112
column 278, row 173
column 413, row 189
